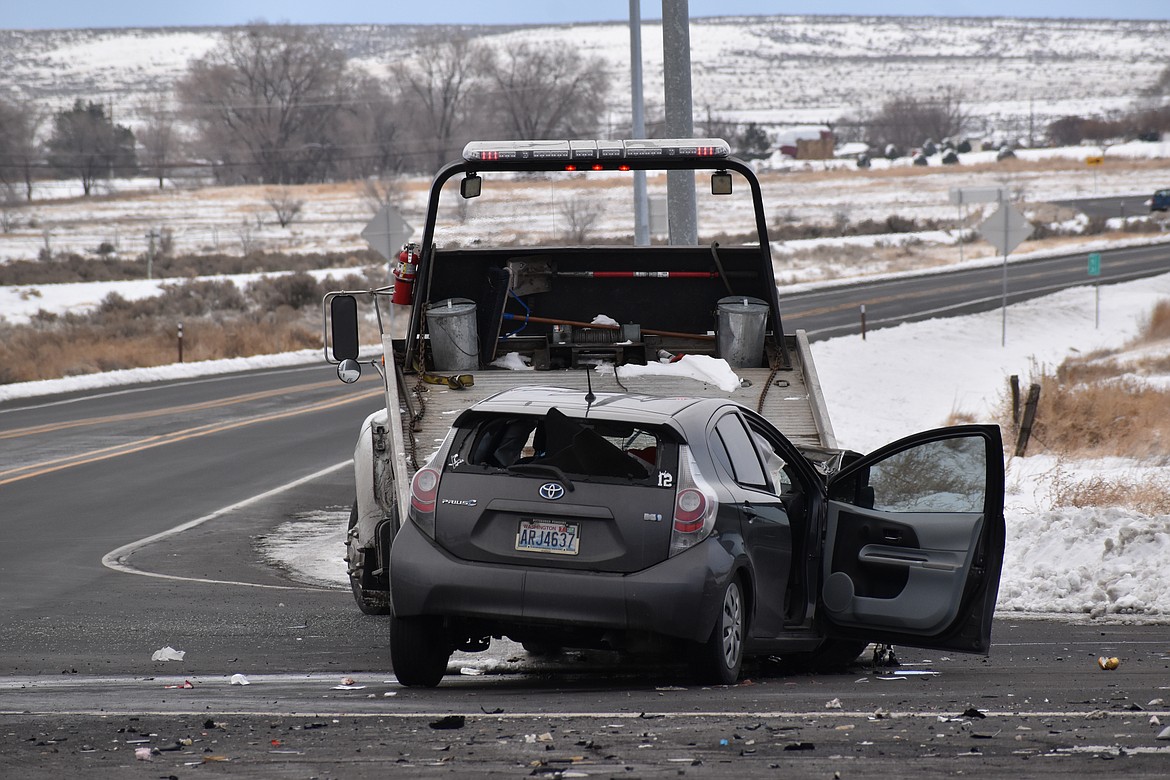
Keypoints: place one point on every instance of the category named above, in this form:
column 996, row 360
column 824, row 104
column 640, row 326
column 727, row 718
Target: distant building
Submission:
column 809, row 142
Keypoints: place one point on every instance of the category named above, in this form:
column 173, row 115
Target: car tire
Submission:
column 370, row 603
column 719, row 660
column 419, row 651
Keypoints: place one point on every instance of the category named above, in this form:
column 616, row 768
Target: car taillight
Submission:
column 695, row 506
column 424, row 489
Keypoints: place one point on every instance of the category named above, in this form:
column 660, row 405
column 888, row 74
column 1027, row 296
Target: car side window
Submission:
column 744, row 460
column 947, row 475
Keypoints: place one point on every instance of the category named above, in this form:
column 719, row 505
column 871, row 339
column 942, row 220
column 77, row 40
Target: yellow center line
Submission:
column 150, row 442
column 142, row 415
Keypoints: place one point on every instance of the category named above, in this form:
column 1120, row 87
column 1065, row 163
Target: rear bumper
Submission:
column 679, row 597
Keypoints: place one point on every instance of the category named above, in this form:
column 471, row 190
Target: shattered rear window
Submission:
column 588, row 449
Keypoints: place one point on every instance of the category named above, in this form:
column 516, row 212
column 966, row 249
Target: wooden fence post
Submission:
column 1029, row 419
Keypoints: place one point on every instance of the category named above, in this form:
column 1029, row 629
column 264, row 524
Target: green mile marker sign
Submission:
column 1094, row 264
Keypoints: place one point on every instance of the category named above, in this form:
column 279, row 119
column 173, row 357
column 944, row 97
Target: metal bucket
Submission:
column 739, row 330
column 454, row 336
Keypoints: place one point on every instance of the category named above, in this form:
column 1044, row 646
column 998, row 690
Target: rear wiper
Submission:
column 536, row 468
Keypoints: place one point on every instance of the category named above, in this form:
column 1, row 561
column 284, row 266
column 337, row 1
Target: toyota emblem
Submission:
column 551, row 491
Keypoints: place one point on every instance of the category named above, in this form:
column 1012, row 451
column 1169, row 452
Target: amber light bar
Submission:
column 597, row 152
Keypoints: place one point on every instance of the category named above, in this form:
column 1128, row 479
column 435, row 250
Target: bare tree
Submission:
column 159, row 139
column 907, row 121
column 547, row 92
column 437, row 84
column 285, row 205
column 371, row 132
column 19, row 153
column 266, row 101
column 87, row 144
column 581, row 216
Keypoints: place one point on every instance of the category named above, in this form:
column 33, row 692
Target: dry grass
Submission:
column 279, row 314
column 1146, row 494
column 1097, row 406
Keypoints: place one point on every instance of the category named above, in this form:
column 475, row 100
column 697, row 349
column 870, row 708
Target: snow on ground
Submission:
column 1105, row 563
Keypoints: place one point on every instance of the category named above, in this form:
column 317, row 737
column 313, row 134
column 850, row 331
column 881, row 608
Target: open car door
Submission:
column 914, row 542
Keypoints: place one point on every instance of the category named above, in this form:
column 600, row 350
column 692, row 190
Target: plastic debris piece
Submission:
column 348, row 681
column 449, row 722
column 1164, row 733
column 184, row 684
column 835, row 704
column 470, row 671
column 1108, row 664
column 390, row 693
column 670, row 688
column 168, row 653
column 344, row 687
column 800, row 746
column 971, row 712
column 239, row 679
column 143, row 754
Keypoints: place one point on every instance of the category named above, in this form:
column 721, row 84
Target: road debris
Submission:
column 449, row 722
column 1108, row 664
column 184, row 684
column 239, row 679
column 168, row 653
column 833, row 704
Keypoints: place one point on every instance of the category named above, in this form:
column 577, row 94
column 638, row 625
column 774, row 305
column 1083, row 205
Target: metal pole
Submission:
column 863, row 322
column 638, row 125
column 180, row 342
column 676, row 76
column 1003, row 323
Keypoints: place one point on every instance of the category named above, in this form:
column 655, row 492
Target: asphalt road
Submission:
column 174, row 485
column 1112, row 206
column 836, row 310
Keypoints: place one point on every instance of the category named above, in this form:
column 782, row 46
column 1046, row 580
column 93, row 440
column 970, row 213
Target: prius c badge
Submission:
column 551, row 491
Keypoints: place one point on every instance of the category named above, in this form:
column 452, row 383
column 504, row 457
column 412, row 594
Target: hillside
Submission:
column 1014, row 75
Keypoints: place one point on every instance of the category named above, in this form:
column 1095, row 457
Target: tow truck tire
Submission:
column 719, row 660
column 419, row 651
column 368, row 603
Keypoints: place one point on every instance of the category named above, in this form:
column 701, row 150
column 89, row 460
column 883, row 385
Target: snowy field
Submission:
column 1011, row 74
column 1102, row 563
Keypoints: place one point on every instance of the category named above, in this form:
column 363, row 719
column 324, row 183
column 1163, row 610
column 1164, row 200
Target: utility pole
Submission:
column 676, row 75
column 638, row 129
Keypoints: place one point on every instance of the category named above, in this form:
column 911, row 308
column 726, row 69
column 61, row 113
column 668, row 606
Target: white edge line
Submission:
column 116, row 559
column 613, row 716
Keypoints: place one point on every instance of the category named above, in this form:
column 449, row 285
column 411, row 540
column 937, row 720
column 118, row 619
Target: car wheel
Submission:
column 419, row 651
column 719, row 659
column 369, row 602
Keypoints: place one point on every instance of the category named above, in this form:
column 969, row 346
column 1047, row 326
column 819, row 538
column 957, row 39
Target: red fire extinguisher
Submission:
column 404, row 273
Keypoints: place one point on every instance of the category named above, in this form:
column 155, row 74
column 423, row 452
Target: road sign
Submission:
column 387, row 232
column 1095, row 160
column 1095, row 264
column 961, row 195
column 1006, row 229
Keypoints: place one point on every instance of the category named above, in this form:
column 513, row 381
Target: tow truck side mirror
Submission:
column 349, row 371
column 343, row 316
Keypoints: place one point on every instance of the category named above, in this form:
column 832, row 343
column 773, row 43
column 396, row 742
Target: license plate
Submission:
column 539, row 536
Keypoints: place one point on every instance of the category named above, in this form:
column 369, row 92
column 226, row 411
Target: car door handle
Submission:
column 750, row 514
